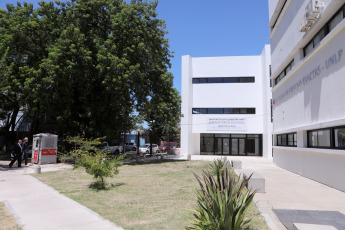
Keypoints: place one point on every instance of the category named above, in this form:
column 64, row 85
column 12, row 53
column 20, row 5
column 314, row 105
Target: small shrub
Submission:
column 222, row 202
column 219, row 165
column 85, row 153
column 98, row 165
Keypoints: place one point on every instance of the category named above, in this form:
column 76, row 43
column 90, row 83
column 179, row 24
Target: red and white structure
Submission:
column 44, row 148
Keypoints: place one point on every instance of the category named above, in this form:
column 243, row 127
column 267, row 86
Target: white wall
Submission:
column 327, row 168
column 311, row 96
column 225, row 95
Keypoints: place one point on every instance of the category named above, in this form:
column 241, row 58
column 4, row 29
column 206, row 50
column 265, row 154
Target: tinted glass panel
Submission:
column 253, row 146
column 279, row 140
column 207, row 145
column 284, row 139
column 324, row 138
column 196, row 80
column 215, row 80
column 238, row 135
column 218, row 146
column 308, row 48
column 203, row 80
column 295, row 139
column 339, row 137
column 215, row 111
column 290, row 139
column 319, row 37
column 312, row 138
column 222, row 135
column 230, row 80
column 335, row 21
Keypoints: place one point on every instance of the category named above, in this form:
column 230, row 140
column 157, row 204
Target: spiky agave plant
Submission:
column 223, row 202
column 219, row 165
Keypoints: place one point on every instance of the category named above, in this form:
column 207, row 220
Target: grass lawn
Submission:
column 7, row 220
column 153, row 195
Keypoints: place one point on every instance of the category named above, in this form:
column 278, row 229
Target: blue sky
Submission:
column 204, row 28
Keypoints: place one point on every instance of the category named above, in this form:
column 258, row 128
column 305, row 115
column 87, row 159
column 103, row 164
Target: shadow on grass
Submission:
column 99, row 185
column 153, row 162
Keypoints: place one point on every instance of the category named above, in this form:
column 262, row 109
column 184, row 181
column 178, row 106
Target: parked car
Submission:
column 131, row 147
column 114, row 149
column 145, row 149
column 166, row 146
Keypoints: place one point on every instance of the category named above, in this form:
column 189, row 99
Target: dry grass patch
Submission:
column 153, row 195
column 7, row 220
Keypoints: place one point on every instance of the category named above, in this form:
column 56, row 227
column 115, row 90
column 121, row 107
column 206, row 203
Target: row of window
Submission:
column 288, row 139
column 223, row 110
column 284, row 72
column 223, row 80
column 332, row 138
column 335, row 20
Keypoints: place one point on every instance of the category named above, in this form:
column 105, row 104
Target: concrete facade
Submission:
column 309, row 100
column 226, row 95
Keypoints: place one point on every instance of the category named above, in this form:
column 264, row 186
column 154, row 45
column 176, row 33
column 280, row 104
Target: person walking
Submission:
column 18, row 153
column 25, row 149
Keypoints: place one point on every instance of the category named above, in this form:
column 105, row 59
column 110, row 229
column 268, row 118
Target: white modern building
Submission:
column 308, row 72
column 226, row 105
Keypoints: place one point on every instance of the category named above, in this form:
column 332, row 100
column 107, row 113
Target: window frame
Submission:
column 241, row 111
column 286, row 137
column 223, row 80
column 331, row 144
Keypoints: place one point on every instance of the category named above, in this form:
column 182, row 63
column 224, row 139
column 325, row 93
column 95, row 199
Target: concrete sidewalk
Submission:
column 38, row 206
column 286, row 190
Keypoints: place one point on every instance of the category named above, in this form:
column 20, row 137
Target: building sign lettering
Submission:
column 226, row 124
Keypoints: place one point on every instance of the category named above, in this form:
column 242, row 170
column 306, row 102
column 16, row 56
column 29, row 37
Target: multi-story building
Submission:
column 226, row 105
column 308, row 75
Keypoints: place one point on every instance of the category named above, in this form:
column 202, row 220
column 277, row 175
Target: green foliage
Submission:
column 96, row 162
column 78, row 146
column 86, row 65
column 222, row 202
column 219, row 165
column 98, row 165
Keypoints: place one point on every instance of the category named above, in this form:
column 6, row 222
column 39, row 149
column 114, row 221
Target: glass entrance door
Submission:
column 226, row 146
column 234, row 146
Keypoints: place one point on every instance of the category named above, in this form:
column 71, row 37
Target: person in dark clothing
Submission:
column 25, row 149
column 18, row 153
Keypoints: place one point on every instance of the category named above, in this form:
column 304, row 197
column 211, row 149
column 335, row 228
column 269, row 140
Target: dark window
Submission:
column 216, row 80
column 284, row 72
column 223, row 80
column 203, row 80
column 329, row 26
column 196, row 80
column 279, row 140
column 339, row 137
column 223, row 110
column 289, row 139
column 319, row 138
column 275, row 22
column 215, row 111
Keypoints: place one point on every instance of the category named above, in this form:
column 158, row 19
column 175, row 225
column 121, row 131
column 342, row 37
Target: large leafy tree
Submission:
column 87, row 64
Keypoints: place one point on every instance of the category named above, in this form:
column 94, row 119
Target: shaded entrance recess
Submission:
column 231, row 144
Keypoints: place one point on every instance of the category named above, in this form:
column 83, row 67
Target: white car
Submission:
column 145, row 149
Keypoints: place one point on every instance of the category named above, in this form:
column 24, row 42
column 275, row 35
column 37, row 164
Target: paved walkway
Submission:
column 286, row 190
column 38, row 206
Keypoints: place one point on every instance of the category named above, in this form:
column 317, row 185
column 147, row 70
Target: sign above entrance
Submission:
column 226, row 124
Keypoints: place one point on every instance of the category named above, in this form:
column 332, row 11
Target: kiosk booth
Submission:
column 44, row 148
